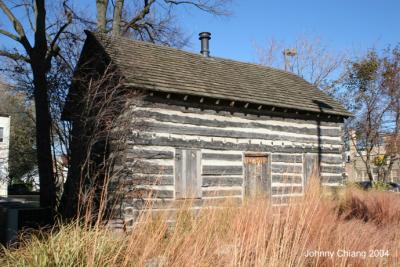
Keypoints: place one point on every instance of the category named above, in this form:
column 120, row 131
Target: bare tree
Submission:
column 49, row 37
column 150, row 20
column 103, row 122
column 306, row 57
column 38, row 55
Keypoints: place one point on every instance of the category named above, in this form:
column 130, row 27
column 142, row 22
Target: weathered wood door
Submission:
column 257, row 180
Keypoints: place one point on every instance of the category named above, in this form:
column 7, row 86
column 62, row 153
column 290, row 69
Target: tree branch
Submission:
column 54, row 48
column 28, row 11
column 202, row 6
column 14, row 56
column 145, row 27
column 142, row 14
column 9, row 34
column 199, row 6
column 17, row 27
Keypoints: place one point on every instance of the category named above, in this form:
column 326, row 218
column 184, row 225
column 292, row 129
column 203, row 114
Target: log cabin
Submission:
column 214, row 128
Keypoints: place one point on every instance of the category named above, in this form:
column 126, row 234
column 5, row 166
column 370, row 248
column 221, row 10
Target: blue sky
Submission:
column 352, row 25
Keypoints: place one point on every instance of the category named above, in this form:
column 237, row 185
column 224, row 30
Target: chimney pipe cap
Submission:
column 204, row 35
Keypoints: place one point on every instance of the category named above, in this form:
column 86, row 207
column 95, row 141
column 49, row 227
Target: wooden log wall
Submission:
column 223, row 138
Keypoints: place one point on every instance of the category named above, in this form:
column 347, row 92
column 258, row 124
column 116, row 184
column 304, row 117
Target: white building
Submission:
column 4, row 151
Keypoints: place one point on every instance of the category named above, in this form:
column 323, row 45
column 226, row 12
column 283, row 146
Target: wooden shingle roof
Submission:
column 154, row 67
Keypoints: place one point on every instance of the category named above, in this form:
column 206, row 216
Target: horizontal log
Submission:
column 220, row 156
column 149, row 154
column 149, row 179
column 148, row 193
column 222, row 181
column 290, row 179
column 177, row 203
column 287, row 158
column 332, row 179
column 332, row 169
column 145, row 139
column 220, row 193
column 150, row 168
column 277, row 200
column 279, row 168
column 286, row 190
column 233, row 112
column 222, row 170
column 328, row 158
column 231, row 133
column 165, row 117
column 132, row 216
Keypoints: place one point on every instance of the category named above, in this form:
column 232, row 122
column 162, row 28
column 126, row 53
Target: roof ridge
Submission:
column 170, row 69
column 195, row 54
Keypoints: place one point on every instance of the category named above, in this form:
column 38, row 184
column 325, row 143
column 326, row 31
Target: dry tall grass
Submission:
column 358, row 228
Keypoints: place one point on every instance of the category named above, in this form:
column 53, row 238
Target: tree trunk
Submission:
column 43, row 138
column 101, row 6
column 368, row 167
column 370, row 176
column 116, row 30
column 388, row 171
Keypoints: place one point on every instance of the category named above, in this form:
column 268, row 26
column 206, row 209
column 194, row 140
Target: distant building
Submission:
column 4, row 150
column 355, row 166
column 60, row 167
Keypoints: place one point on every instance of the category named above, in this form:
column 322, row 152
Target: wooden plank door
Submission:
column 257, row 180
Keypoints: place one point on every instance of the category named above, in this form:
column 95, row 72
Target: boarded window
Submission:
column 310, row 166
column 187, row 173
column 1, row 134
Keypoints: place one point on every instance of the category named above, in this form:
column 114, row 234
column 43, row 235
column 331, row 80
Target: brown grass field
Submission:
column 349, row 228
